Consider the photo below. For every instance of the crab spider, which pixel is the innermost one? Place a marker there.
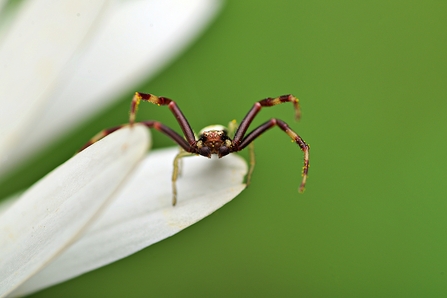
(215, 139)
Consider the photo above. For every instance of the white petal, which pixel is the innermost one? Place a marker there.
(56, 209)
(35, 50)
(142, 214)
(134, 40)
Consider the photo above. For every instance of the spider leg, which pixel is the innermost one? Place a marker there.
(294, 136)
(99, 136)
(267, 102)
(251, 149)
(232, 127)
(180, 165)
(150, 124)
(163, 101)
(169, 132)
(187, 145)
(175, 173)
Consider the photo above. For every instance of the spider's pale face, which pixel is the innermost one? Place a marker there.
(214, 140)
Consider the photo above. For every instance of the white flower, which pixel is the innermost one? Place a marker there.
(59, 60)
(62, 61)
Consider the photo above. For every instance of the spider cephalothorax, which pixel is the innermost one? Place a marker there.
(215, 139)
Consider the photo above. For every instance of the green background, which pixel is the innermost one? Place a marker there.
(371, 78)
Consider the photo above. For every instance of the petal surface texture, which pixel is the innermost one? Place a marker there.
(142, 213)
(54, 211)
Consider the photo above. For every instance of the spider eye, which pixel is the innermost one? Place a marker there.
(205, 151)
(223, 150)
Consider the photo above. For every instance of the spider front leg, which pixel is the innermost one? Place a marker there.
(294, 136)
(267, 102)
(163, 101)
(187, 145)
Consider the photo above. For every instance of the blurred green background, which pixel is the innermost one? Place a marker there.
(371, 77)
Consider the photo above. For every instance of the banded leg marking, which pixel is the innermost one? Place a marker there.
(163, 101)
(138, 97)
(267, 102)
(294, 136)
(99, 136)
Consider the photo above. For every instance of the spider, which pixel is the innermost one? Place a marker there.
(215, 139)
